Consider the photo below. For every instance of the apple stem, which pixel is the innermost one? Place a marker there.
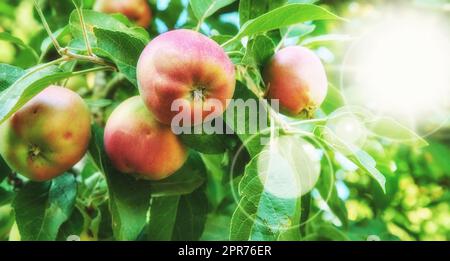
(199, 25)
(46, 26)
(198, 94)
(34, 151)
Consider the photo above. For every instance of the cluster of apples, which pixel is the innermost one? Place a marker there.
(51, 132)
(180, 65)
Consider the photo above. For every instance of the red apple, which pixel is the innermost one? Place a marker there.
(187, 67)
(138, 144)
(136, 10)
(48, 135)
(296, 77)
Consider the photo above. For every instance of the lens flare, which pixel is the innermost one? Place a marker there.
(289, 167)
(400, 68)
(345, 130)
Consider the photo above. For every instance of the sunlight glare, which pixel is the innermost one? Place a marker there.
(400, 68)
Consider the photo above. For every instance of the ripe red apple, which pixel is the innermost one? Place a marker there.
(296, 77)
(48, 135)
(136, 10)
(186, 66)
(137, 143)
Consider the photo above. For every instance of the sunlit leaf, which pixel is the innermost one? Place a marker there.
(282, 17)
(178, 217)
(389, 128)
(12, 39)
(42, 207)
(27, 86)
(205, 8)
(122, 49)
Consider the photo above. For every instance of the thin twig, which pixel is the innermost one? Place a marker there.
(93, 59)
(83, 28)
(65, 53)
(95, 69)
(46, 26)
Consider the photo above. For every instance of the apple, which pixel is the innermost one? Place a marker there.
(48, 135)
(186, 68)
(136, 10)
(138, 144)
(296, 77)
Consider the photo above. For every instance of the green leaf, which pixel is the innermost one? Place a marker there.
(217, 228)
(282, 17)
(129, 198)
(269, 207)
(105, 231)
(163, 217)
(96, 20)
(259, 50)
(123, 49)
(324, 39)
(7, 10)
(359, 157)
(305, 214)
(178, 217)
(72, 227)
(187, 179)
(325, 232)
(221, 27)
(361, 231)
(191, 216)
(333, 100)
(327, 189)
(252, 141)
(8, 75)
(272, 188)
(4, 169)
(58, 35)
(27, 86)
(204, 8)
(250, 9)
(437, 159)
(368, 164)
(171, 14)
(12, 39)
(6, 221)
(216, 171)
(41, 208)
(98, 103)
(297, 31)
(391, 129)
(206, 143)
(5, 196)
